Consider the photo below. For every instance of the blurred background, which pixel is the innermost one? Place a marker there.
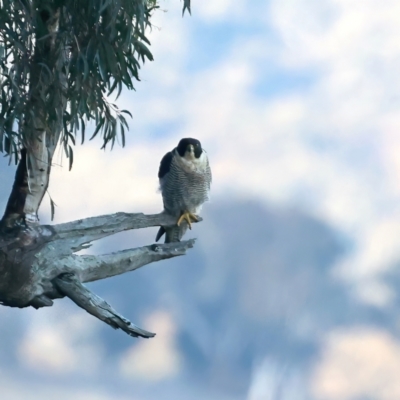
(292, 290)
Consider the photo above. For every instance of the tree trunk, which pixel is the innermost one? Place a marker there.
(42, 123)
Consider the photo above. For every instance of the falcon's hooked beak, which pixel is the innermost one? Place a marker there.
(190, 152)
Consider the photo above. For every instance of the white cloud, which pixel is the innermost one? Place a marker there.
(12, 389)
(337, 32)
(60, 341)
(104, 182)
(272, 380)
(358, 363)
(268, 149)
(155, 359)
(216, 11)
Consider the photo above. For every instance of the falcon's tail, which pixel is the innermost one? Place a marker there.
(172, 233)
(160, 232)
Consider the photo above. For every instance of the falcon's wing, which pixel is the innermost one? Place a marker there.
(165, 165)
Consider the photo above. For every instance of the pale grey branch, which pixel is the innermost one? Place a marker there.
(92, 268)
(76, 235)
(112, 223)
(70, 286)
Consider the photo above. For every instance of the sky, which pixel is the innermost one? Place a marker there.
(297, 104)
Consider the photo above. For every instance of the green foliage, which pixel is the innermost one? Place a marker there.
(60, 61)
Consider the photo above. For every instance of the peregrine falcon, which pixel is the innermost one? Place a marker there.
(185, 179)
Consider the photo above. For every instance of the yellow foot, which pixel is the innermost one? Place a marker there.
(189, 218)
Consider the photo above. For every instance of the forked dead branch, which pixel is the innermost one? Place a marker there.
(38, 263)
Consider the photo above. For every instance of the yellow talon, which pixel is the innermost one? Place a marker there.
(187, 216)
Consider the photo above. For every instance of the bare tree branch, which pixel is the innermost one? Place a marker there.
(76, 235)
(92, 268)
(113, 223)
(70, 286)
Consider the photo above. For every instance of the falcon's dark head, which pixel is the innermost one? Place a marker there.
(189, 148)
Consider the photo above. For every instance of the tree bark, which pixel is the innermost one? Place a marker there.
(41, 125)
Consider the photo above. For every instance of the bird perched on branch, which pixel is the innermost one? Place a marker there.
(185, 179)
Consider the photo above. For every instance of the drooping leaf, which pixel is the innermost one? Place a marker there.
(52, 207)
(70, 157)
